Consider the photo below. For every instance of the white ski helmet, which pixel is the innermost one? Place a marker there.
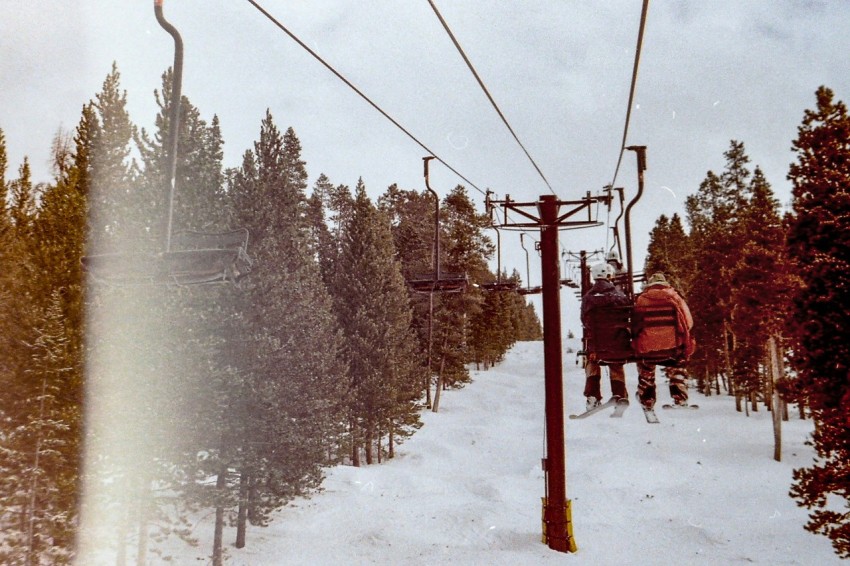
(601, 271)
(613, 256)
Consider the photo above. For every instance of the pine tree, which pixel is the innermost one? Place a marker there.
(669, 252)
(109, 132)
(4, 163)
(411, 219)
(372, 307)
(321, 239)
(199, 185)
(761, 282)
(529, 327)
(16, 318)
(490, 328)
(23, 203)
(819, 241)
(280, 423)
(716, 234)
(37, 489)
(56, 249)
(38, 482)
(195, 319)
(41, 367)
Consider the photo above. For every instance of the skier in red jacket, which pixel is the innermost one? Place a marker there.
(660, 340)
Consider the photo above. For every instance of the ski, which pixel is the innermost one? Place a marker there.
(609, 403)
(650, 415)
(620, 408)
(668, 406)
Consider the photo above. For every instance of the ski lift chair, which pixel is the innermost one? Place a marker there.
(444, 283)
(536, 290)
(500, 286)
(189, 258)
(196, 258)
(438, 281)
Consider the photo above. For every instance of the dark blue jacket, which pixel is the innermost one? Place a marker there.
(602, 294)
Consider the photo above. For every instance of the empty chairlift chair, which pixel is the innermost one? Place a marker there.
(437, 282)
(189, 258)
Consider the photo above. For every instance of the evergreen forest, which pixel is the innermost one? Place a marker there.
(230, 399)
(129, 408)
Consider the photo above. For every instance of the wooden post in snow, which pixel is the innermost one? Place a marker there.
(776, 402)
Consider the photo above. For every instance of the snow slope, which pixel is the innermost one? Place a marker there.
(700, 488)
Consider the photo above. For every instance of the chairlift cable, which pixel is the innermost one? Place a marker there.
(487, 92)
(348, 83)
(638, 48)
(359, 92)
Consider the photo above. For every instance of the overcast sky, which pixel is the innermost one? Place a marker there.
(559, 70)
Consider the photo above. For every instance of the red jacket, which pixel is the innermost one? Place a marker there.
(658, 338)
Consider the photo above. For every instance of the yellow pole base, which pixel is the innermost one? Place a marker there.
(571, 542)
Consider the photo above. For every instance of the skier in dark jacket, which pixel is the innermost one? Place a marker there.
(603, 293)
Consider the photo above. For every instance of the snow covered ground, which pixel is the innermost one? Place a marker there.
(700, 488)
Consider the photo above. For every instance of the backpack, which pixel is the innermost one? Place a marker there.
(606, 316)
(661, 325)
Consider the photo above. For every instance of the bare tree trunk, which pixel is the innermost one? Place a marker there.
(252, 500)
(391, 441)
(368, 441)
(31, 546)
(440, 377)
(355, 448)
(767, 382)
(242, 514)
(727, 362)
(775, 369)
(218, 533)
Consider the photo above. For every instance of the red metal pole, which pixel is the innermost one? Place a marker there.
(555, 513)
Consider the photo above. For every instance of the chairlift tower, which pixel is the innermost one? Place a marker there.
(550, 215)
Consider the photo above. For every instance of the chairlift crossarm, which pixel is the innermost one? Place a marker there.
(578, 206)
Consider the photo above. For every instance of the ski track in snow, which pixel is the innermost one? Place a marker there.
(700, 488)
